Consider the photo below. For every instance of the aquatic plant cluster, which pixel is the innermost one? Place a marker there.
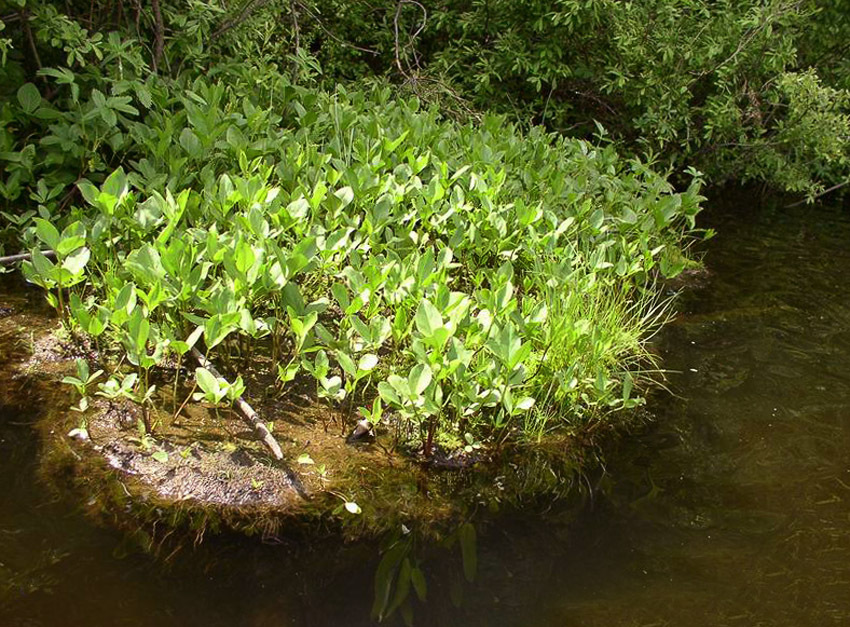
(475, 281)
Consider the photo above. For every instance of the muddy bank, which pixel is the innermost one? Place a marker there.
(204, 470)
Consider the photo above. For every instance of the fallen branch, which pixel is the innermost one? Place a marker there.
(8, 261)
(248, 413)
(823, 193)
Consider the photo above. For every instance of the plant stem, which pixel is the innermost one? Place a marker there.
(429, 442)
(176, 379)
(186, 400)
(61, 302)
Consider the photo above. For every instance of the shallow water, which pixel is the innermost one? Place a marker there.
(732, 508)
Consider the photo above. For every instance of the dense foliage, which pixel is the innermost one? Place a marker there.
(480, 282)
(717, 85)
(743, 90)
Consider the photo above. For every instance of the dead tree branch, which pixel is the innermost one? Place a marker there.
(249, 416)
(411, 38)
(8, 261)
(330, 34)
(823, 193)
(244, 14)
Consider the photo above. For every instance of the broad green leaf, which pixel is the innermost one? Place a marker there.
(417, 578)
(207, 382)
(340, 293)
(389, 393)
(235, 138)
(244, 257)
(28, 97)
(287, 374)
(298, 209)
(346, 363)
(191, 143)
(332, 388)
(76, 262)
(89, 192)
(345, 195)
(115, 184)
(419, 378)
(125, 302)
(628, 383)
(43, 266)
(384, 577)
(524, 404)
(217, 328)
(47, 233)
(139, 328)
(402, 589)
(71, 239)
(428, 319)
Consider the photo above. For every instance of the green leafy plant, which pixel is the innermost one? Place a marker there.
(216, 389)
(82, 382)
(470, 284)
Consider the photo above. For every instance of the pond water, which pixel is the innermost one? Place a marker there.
(732, 508)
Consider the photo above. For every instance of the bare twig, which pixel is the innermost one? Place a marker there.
(330, 34)
(248, 413)
(25, 21)
(413, 74)
(8, 261)
(823, 193)
(411, 38)
(244, 14)
(749, 37)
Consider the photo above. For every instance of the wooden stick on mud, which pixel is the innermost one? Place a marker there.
(7, 261)
(248, 413)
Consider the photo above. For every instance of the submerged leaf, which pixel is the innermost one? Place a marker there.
(469, 551)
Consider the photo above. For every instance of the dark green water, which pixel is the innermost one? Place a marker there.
(733, 508)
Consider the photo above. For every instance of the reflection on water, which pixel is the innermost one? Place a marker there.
(732, 509)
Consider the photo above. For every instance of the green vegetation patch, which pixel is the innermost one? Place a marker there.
(465, 283)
